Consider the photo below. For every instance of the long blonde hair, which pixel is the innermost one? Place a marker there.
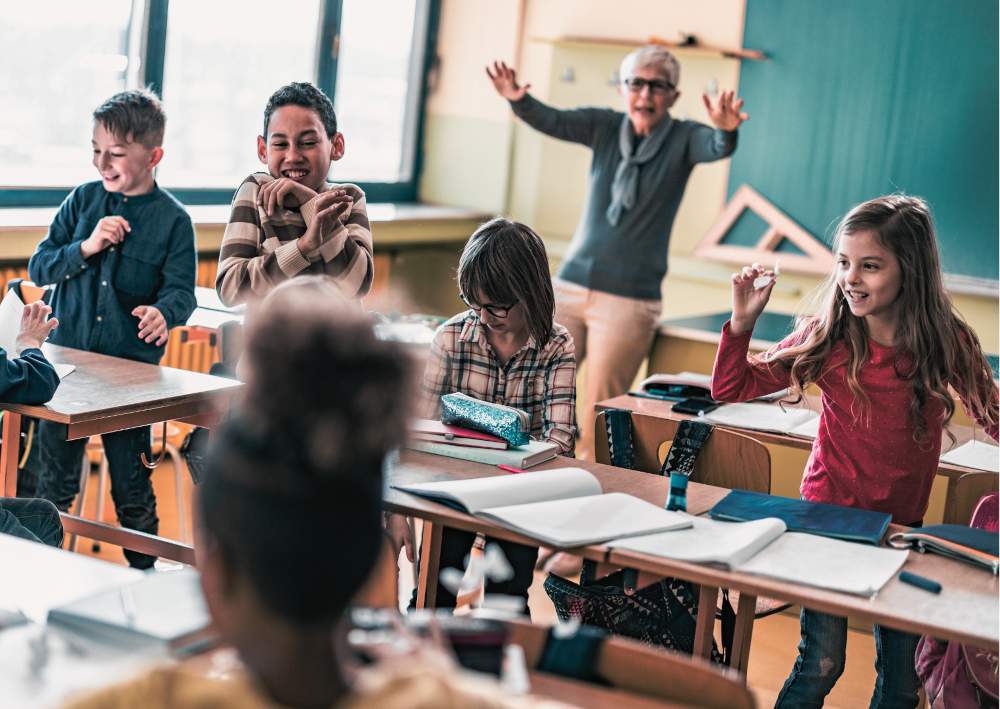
(936, 347)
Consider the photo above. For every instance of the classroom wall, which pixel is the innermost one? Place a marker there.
(477, 155)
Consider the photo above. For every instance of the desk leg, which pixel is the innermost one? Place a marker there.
(8, 457)
(742, 634)
(708, 597)
(430, 562)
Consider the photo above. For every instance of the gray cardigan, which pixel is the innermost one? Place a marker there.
(629, 259)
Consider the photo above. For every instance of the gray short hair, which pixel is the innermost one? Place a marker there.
(652, 55)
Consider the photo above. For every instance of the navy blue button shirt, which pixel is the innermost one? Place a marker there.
(156, 264)
(28, 379)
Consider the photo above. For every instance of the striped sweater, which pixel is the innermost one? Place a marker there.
(259, 251)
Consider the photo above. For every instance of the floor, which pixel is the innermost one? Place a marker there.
(775, 639)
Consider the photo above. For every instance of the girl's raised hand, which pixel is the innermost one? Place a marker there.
(749, 302)
(505, 82)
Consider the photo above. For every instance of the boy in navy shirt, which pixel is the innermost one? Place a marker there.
(121, 253)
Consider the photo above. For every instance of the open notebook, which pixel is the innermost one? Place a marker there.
(763, 547)
(559, 508)
(974, 454)
(766, 417)
(10, 325)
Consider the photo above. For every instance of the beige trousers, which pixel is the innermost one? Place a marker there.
(613, 334)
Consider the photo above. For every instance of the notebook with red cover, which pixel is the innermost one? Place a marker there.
(437, 432)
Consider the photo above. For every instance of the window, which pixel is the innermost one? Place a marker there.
(217, 62)
(59, 59)
(223, 60)
(378, 88)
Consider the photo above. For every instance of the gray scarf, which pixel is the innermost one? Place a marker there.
(625, 185)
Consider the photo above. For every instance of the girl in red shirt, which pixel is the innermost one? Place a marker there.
(884, 350)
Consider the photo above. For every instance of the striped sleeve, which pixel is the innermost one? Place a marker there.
(346, 251)
(245, 272)
(559, 407)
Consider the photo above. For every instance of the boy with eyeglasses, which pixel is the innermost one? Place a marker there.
(290, 221)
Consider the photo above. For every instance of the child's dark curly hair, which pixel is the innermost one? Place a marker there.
(306, 95)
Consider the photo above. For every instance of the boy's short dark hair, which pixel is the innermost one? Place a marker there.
(306, 95)
(292, 494)
(136, 113)
(505, 263)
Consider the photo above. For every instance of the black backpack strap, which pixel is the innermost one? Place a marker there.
(687, 444)
(618, 423)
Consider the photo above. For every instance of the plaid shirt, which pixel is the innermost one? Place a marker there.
(540, 382)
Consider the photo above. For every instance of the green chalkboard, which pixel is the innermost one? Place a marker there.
(863, 98)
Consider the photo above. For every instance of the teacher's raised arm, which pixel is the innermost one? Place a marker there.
(607, 287)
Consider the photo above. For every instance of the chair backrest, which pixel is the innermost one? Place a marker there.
(28, 292)
(728, 459)
(968, 490)
(638, 669)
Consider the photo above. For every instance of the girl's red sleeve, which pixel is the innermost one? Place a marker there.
(736, 377)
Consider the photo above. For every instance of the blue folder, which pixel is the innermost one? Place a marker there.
(801, 516)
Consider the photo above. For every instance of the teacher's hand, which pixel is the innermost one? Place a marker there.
(505, 82)
(726, 114)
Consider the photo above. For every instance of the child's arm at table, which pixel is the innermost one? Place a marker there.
(559, 411)
(437, 375)
(29, 379)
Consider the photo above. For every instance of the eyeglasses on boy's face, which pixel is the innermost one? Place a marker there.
(657, 88)
(497, 311)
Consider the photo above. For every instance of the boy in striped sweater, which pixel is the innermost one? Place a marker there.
(290, 220)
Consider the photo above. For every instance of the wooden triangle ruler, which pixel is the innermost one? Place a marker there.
(817, 258)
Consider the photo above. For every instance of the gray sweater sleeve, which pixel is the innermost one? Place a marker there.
(708, 144)
(580, 125)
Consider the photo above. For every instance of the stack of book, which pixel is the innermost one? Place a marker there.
(455, 442)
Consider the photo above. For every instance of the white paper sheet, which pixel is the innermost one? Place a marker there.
(10, 323)
(477, 494)
(63, 369)
(975, 454)
(827, 563)
(809, 429)
(708, 541)
(586, 520)
(759, 417)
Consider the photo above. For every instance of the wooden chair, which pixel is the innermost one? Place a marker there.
(728, 459)
(648, 672)
(967, 492)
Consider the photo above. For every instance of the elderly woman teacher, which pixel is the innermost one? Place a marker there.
(608, 286)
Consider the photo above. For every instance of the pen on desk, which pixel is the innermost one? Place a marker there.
(768, 398)
(920, 582)
(128, 605)
(510, 468)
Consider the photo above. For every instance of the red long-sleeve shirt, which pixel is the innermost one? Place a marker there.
(864, 458)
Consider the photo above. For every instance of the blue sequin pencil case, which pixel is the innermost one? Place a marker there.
(506, 422)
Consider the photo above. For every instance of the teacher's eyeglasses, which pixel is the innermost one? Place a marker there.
(657, 88)
(497, 311)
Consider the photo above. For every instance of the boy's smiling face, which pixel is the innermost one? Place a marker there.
(125, 166)
(298, 148)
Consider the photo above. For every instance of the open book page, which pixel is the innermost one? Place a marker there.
(63, 369)
(725, 544)
(759, 417)
(478, 494)
(975, 454)
(809, 429)
(10, 323)
(827, 563)
(580, 521)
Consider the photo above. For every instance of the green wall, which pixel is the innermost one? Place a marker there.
(862, 99)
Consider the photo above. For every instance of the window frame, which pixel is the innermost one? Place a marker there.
(153, 53)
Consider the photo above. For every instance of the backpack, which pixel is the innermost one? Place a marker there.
(957, 676)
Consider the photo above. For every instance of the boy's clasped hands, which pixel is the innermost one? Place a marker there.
(287, 193)
(108, 232)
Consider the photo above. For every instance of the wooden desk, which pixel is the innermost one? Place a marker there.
(105, 394)
(664, 409)
(967, 609)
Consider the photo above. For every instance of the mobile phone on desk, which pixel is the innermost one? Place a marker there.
(695, 405)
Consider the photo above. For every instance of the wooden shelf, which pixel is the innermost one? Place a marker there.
(688, 47)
